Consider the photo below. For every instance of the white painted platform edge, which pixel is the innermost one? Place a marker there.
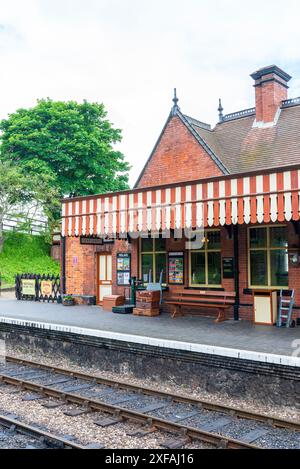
(164, 343)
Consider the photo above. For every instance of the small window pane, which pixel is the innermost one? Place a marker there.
(147, 244)
(214, 268)
(278, 237)
(160, 244)
(279, 268)
(213, 240)
(258, 263)
(258, 237)
(147, 267)
(198, 268)
(160, 266)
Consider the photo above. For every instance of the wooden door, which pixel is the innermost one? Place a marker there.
(104, 276)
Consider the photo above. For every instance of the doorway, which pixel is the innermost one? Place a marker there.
(104, 276)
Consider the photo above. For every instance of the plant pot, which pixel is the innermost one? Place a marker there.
(68, 302)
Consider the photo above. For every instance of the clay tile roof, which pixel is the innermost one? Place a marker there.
(242, 148)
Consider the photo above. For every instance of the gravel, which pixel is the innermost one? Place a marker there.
(284, 412)
(11, 440)
(81, 428)
(280, 440)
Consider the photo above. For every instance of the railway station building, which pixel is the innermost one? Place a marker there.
(213, 209)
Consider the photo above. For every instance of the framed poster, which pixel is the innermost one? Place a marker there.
(123, 269)
(176, 268)
(46, 287)
(28, 287)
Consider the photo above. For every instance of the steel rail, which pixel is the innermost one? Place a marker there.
(43, 436)
(233, 411)
(123, 414)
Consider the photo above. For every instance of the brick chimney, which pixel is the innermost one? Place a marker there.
(270, 89)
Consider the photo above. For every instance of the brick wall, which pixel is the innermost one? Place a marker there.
(268, 99)
(178, 157)
(81, 266)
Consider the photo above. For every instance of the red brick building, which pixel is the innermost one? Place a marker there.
(239, 181)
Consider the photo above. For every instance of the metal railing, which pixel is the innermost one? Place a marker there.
(290, 102)
(239, 114)
(45, 287)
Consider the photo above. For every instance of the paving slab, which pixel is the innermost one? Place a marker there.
(241, 339)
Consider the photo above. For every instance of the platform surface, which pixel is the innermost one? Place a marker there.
(240, 339)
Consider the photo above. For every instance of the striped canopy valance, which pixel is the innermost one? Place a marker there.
(233, 200)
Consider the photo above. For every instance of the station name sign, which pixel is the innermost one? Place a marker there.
(90, 240)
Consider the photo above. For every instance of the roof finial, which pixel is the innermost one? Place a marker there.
(175, 101)
(220, 109)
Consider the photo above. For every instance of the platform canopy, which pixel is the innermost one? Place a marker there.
(228, 200)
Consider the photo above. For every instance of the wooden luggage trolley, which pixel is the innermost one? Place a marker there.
(218, 300)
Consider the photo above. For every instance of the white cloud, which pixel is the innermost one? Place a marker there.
(130, 54)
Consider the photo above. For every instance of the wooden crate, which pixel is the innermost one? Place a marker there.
(144, 305)
(145, 312)
(112, 300)
(148, 296)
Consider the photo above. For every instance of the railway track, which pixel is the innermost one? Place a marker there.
(32, 437)
(186, 418)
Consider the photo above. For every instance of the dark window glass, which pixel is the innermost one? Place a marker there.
(279, 268)
(198, 268)
(147, 244)
(258, 238)
(278, 237)
(258, 263)
(213, 240)
(160, 244)
(160, 266)
(214, 268)
(147, 266)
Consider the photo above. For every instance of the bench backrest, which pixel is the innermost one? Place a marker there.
(207, 293)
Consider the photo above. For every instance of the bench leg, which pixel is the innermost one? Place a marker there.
(177, 312)
(221, 316)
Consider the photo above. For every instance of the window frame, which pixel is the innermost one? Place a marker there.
(268, 249)
(153, 253)
(206, 252)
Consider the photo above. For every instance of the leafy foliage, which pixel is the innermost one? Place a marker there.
(23, 192)
(69, 142)
(25, 253)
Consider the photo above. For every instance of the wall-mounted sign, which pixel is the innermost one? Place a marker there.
(46, 287)
(176, 268)
(91, 240)
(123, 268)
(228, 267)
(28, 287)
(75, 260)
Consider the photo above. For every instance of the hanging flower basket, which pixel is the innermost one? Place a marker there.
(68, 301)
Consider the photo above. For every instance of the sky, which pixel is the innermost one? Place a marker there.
(130, 54)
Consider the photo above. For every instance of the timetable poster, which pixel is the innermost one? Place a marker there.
(123, 269)
(176, 268)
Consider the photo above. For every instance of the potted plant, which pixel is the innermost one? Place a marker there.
(68, 300)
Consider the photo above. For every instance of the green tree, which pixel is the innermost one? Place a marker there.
(70, 142)
(21, 194)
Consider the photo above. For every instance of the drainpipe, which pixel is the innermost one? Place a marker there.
(63, 265)
(236, 272)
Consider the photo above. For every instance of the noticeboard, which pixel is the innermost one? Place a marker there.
(123, 269)
(28, 287)
(176, 268)
(228, 267)
(46, 287)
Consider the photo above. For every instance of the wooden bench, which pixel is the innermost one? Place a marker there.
(218, 300)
